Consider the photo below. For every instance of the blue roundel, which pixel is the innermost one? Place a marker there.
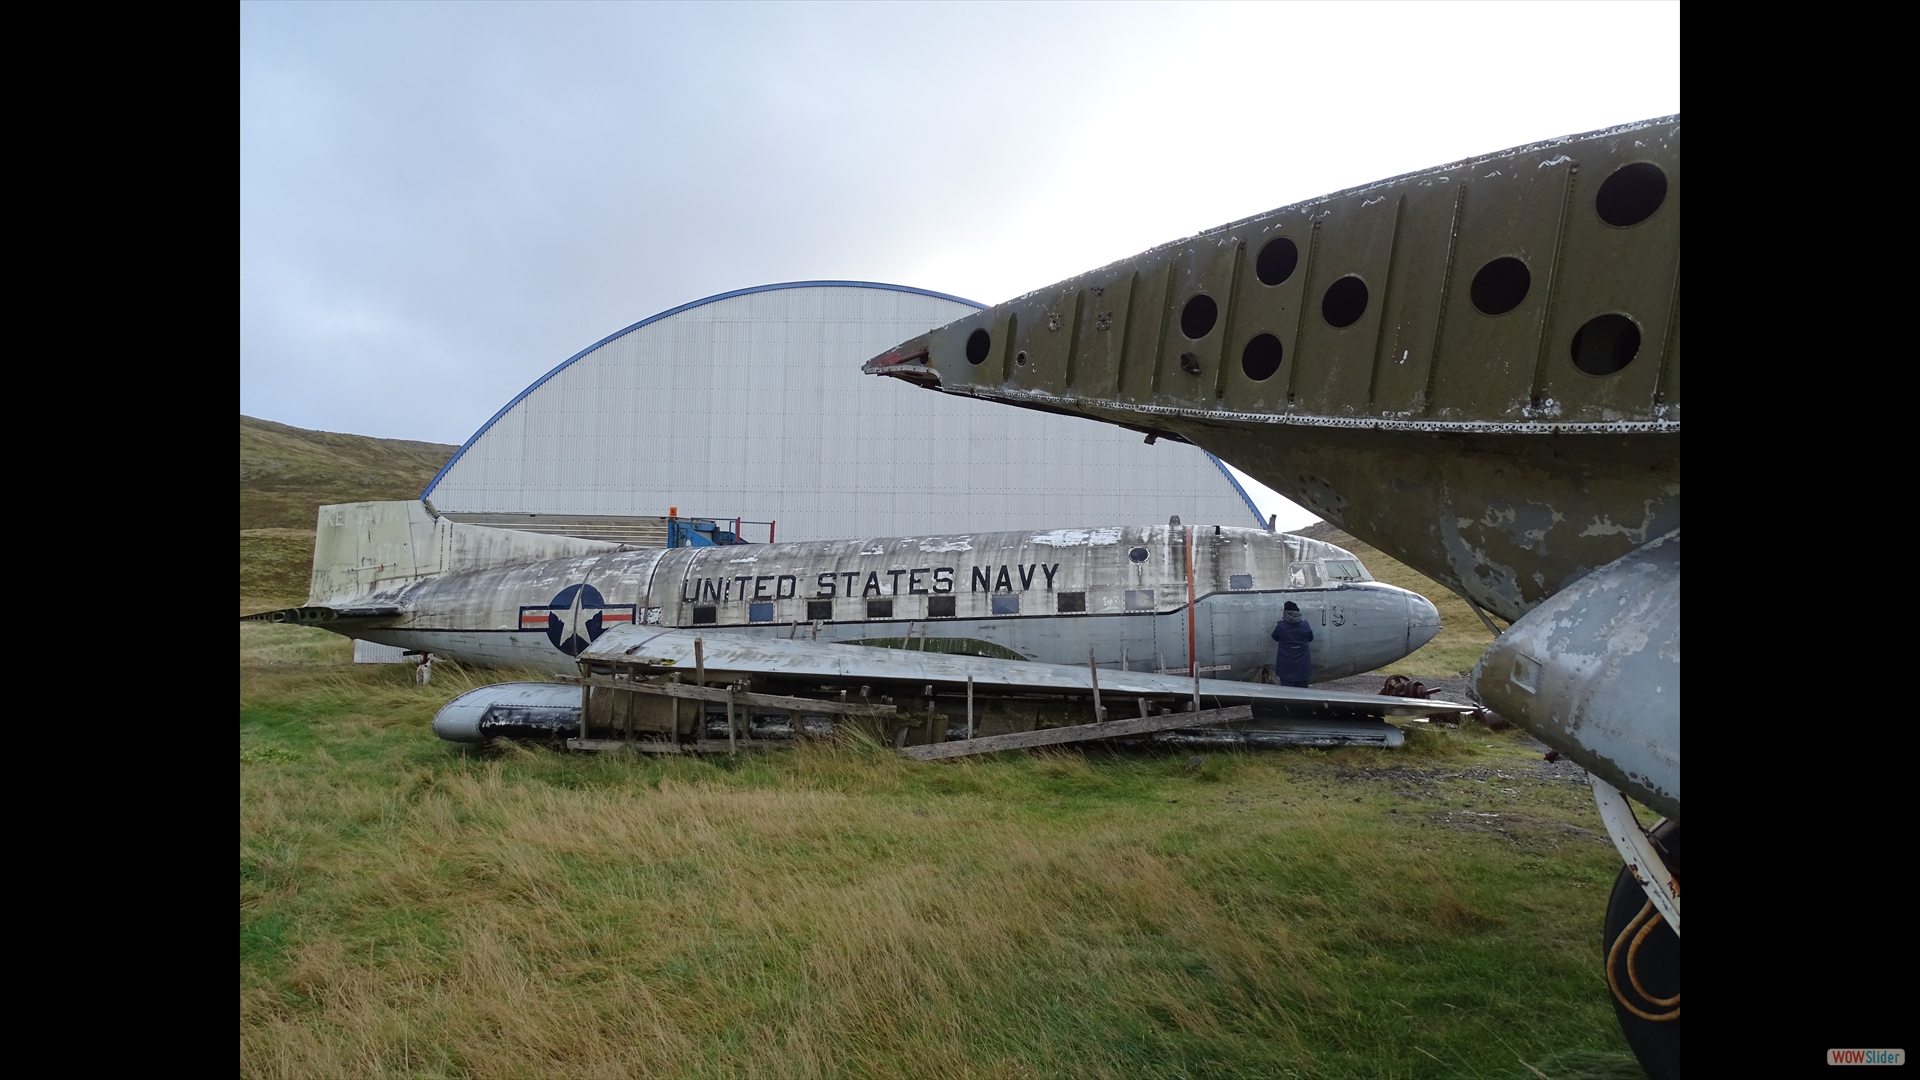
(577, 617)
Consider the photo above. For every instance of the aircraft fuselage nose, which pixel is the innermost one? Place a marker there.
(1423, 621)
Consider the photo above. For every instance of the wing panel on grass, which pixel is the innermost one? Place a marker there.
(822, 662)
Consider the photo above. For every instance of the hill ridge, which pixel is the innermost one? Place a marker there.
(288, 473)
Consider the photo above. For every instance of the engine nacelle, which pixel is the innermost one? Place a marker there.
(516, 710)
(1594, 672)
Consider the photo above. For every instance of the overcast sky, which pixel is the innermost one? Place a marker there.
(438, 203)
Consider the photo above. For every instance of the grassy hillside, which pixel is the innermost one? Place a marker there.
(288, 473)
(1463, 637)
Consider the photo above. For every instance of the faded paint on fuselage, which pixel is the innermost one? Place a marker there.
(1008, 591)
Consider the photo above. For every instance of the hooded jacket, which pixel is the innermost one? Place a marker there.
(1292, 664)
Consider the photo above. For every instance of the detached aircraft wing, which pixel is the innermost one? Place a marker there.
(818, 662)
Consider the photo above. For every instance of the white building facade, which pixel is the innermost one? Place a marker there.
(751, 404)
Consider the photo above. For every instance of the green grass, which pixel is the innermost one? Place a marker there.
(275, 567)
(412, 908)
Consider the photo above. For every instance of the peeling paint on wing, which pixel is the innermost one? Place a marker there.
(1473, 566)
(1651, 524)
(1078, 537)
(1526, 524)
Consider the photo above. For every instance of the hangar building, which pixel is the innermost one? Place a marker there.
(751, 405)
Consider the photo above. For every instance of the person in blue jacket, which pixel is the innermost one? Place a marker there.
(1291, 663)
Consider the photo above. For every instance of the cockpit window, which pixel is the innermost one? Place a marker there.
(1303, 575)
(1343, 570)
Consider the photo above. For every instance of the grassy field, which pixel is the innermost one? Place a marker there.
(410, 908)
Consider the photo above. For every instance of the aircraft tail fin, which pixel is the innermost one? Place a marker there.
(366, 550)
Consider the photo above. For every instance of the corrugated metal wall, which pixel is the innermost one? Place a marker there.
(753, 405)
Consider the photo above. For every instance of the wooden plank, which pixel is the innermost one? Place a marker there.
(715, 746)
(648, 746)
(1078, 733)
(719, 694)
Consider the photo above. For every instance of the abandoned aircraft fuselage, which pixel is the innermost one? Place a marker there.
(1045, 596)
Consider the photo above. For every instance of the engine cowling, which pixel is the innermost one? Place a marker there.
(1594, 672)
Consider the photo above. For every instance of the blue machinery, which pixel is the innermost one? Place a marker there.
(708, 532)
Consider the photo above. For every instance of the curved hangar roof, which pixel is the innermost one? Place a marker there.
(751, 404)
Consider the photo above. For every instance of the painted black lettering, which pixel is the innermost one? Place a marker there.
(709, 590)
(982, 578)
(689, 583)
(850, 576)
(1049, 572)
(873, 584)
(786, 588)
(826, 586)
(743, 579)
(1005, 582)
(895, 591)
(913, 582)
(943, 584)
(1026, 577)
(760, 586)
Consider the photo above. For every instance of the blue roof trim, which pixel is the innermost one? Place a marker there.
(669, 313)
(1258, 517)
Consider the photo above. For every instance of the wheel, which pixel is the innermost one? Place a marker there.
(1643, 965)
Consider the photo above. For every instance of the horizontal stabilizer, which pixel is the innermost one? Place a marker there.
(315, 616)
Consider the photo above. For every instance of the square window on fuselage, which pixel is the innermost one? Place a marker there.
(759, 612)
(940, 607)
(706, 616)
(1069, 602)
(879, 609)
(1006, 604)
(819, 611)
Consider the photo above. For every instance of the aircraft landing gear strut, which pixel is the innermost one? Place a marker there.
(1641, 941)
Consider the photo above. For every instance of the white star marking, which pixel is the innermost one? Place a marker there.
(574, 623)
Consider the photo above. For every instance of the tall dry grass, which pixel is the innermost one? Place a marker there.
(409, 908)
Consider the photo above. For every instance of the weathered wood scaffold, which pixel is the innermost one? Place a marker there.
(635, 701)
(627, 699)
